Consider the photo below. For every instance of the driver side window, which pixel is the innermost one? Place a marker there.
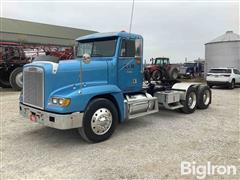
(127, 48)
(84, 48)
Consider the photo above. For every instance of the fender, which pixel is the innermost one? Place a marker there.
(113, 90)
(80, 97)
(183, 86)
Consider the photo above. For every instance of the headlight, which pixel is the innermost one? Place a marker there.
(54, 100)
(64, 102)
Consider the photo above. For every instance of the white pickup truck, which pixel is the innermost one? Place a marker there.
(223, 77)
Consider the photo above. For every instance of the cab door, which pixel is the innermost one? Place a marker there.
(130, 74)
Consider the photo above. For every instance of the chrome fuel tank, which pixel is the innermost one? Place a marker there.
(139, 105)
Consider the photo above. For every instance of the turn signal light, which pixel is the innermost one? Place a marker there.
(64, 102)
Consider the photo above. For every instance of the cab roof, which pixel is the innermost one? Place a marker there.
(109, 34)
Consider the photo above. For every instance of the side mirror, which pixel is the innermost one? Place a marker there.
(86, 58)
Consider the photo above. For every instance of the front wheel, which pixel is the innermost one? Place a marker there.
(157, 75)
(99, 121)
(147, 75)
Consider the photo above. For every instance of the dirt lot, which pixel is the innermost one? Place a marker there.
(148, 147)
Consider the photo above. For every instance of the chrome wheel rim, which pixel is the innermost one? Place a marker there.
(206, 97)
(192, 100)
(101, 121)
(19, 79)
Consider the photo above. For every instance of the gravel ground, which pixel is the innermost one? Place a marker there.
(150, 147)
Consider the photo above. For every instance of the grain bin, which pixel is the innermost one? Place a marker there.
(224, 51)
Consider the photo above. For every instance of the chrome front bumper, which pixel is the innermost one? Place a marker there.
(58, 121)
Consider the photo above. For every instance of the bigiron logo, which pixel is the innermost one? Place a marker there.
(201, 171)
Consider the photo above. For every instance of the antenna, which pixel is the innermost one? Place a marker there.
(130, 28)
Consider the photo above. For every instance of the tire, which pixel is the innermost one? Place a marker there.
(4, 83)
(91, 130)
(4, 80)
(191, 95)
(209, 85)
(204, 97)
(147, 76)
(16, 79)
(173, 74)
(156, 75)
(232, 84)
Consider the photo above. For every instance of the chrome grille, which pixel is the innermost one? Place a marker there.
(33, 87)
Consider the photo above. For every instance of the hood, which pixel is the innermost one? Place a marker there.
(152, 66)
(66, 73)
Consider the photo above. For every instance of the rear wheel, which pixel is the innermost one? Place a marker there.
(16, 79)
(99, 121)
(4, 79)
(232, 84)
(190, 103)
(204, 97)
(209, 85)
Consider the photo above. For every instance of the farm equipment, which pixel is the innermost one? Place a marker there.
(161, 69)
(191, 69)
(12, 59)
(101, 87)
(14, 56)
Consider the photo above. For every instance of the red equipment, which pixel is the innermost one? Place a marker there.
(14, 56)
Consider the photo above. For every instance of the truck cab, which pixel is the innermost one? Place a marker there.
(101, 87)
(120, 53)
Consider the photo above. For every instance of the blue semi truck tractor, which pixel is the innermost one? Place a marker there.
(102, 87)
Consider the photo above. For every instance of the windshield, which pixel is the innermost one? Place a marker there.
(189, 64)
(220, 71)
(161, 61)
(97, 47)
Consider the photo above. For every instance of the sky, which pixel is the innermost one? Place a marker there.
(174, 29)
